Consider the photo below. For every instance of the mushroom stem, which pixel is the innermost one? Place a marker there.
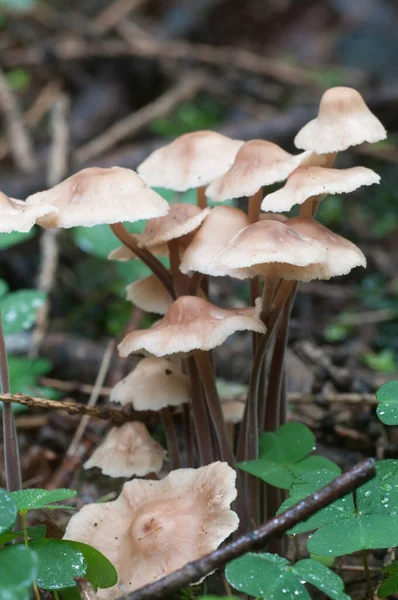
(188, 438)
(203, 362)
(254, 208)
(10, 440)
(151, 261)
(179, 282)
(171, 438)
(200, 416)
(201, 199)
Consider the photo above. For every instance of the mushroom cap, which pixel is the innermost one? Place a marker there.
(149, 295)
(222, 223)
(268, 241)
(97, 196)
(190, 161)
(17, 215)
(154, 384)
(305, 182)
(181, 220)
(233, 411)
(256, 164)
(126, 451)
(121, 253)
(156, 527)
(343, 120)
(191, 323)
(342, 255)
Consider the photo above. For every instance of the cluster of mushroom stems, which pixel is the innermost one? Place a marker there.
(180, 517)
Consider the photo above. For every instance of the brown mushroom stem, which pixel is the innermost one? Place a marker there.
(12, 466)
(200, 417)
(201, 199)
(254, 208)
(203, 362)
(180, 284)
(188, 438)
(171, 438)
(151, 261)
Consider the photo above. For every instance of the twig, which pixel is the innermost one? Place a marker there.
(259, 538)
(132, 124)
(115, 12)
(20, 143)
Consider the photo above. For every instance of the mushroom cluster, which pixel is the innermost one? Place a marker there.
(154, 527)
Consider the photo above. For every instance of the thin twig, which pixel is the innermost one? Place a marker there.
(113, 13)
(258, 539)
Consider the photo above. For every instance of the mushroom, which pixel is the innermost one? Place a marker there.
(306, 182)
(149, 295)
(16, 215)
(343, 120)
(126, 451)
(99, 196)
(154, 384)
(191, 161)
(156, 527)
(191, 323)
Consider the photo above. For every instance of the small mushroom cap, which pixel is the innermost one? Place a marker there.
(191, 323)
(233, 411)
(343, 120)
(181, 220)
(190, 161)
(121, 253)
(268, 241)
(16, 215)
(305, 182)
(222, 223)
(154, 384)
(149, 295)
(126, 451)
(256, 164)
(156, 527)
(97, 196)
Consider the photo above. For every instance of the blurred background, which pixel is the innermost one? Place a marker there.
(100, 82)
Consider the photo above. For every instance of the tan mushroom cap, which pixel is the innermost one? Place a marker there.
(16, 215)
(265, 242)
(97, 196)
(154, 384)
(181, 220)
(156, 527)
(233, 411)
(191, 323)
(222, 223)
(305, 182)
(122, 254)
(149, 295)
(343, 120)
(126, 451)
(190, 161)
(256, 164)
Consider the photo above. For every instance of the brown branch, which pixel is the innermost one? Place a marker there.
(258, 539)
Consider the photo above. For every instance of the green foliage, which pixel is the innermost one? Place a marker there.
(387, 397)
(368, 523)
(100, 240)
(19, 309)
(383, 361)
(284, 455)
(272, 577)
(18, 79)
(201, 113)
(32, 499)
(7, 240)
(33, 533)
(8, 511)
(100, 572)
(58, 564)
(18, 571)
(390, 581)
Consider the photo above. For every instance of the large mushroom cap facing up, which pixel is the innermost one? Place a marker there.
(180, 223)
(149, 295)
(97, 196)
(343, 120)
(126, 451)
(265, 242)
(257, 163)
(191, 161)
(191, 323)
(305, 182)
(220, 226)
(156, 527)
(154, 384)
(16, 215)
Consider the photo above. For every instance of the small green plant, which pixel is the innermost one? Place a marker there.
(387, 397)
(40, 562)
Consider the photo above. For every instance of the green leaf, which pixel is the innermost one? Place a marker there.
(59, 563)
(100, 240)
(265, 576)
(3, 288)
(383, 361)
(18, 571)
(15, 237)
(315, 463)
(390, 581)
(35, 532)
(100, 571)
(387, 397)
(322, 578)
(24, 374)
(32, 499)
(8, 511)
(19, 310)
